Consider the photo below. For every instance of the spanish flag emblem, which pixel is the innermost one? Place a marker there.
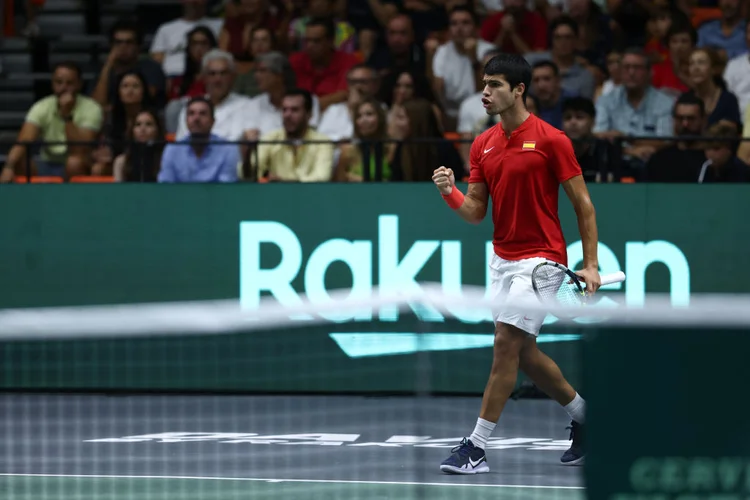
(529, 145)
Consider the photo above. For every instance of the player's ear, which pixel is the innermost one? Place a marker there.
(519, 90)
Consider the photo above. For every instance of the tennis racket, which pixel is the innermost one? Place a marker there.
(556, 284)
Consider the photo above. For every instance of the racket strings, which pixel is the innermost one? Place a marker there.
(555, 286)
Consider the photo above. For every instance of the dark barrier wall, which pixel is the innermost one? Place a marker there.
(85, 244)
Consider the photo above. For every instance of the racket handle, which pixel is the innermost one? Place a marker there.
(608, 279)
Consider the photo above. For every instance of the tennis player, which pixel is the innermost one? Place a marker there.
(520, 163)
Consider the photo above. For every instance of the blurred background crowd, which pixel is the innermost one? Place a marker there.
(365, 90)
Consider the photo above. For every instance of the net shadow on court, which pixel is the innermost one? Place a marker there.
(223, 447)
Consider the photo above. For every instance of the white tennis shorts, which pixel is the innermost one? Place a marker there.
(511, 282)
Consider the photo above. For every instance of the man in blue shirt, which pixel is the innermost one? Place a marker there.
(728, 32)
(196, 158)
(546, 87)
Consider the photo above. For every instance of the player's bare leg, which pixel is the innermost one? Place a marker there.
(548, 377)
(545, 373)
(509, 342)
(469, 456)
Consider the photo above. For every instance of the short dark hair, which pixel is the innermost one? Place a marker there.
(71, 65)
(546, 64)
(513, 67)
(362, 66)
(326, 23)
(679, 28)
(202, 99)
(690, 99)
(640, 52)
(563, 20)
(307, 96)
(464, 8)
(126, 25)
(580, 105)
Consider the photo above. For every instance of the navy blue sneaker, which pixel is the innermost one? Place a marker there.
(466, 459)
(575, 454)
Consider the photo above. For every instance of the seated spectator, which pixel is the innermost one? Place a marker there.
(168, 47)
(266, 110)
(337, 122)
(722, 164)
(370, 130)
(516, 30)
(194, 158)
(415, 161)
(66, 115)
(262, 42)
(320, 68)
(595, 39)
(574, 77)
(399, 87)
(125, 39)
(132, 98)
(614, 72)
(142, 157)
(659, 24)
(546, 87)
(681, 162)
(400, 52)
(736, 75)
(346, 36)
(300, 161)
(727, 33)
(232, 111)
(200, 41)
(369, 18)
(597, 157)
(672, 75)
(721, 105)
(456, 66)
(743, 152)
(635, 109)
(248, 15)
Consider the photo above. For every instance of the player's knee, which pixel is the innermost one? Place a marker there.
(509, 342)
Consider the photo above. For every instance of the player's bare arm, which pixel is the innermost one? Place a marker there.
(474, 206)
(578, 194)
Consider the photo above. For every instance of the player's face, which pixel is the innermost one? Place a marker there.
(144, 128)
(498, 96)
(577, 124)
(366, 120)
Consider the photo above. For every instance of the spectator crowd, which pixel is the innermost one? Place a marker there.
(387, 90)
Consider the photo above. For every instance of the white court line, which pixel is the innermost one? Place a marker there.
(267, 480)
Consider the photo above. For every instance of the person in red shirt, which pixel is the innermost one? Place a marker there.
(520, 164)
(320, 68)
(516, 30)
(671, 74)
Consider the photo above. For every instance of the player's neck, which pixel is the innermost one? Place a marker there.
(513, 118)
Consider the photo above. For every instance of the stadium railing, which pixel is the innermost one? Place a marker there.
(625, 175)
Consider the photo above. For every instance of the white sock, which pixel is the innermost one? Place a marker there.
(577, 409)
(482, 432)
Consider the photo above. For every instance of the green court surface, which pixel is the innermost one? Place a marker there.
(17, 487)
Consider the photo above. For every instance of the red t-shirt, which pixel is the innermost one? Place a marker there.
(532, 28)
(523, 175)
(663, 76)
(324, 81)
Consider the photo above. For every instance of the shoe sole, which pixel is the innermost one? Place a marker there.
(481, 469)
(577, 461)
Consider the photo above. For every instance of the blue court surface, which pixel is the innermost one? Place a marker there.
(149, 447)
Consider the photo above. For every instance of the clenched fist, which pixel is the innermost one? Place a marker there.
(444, 180)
